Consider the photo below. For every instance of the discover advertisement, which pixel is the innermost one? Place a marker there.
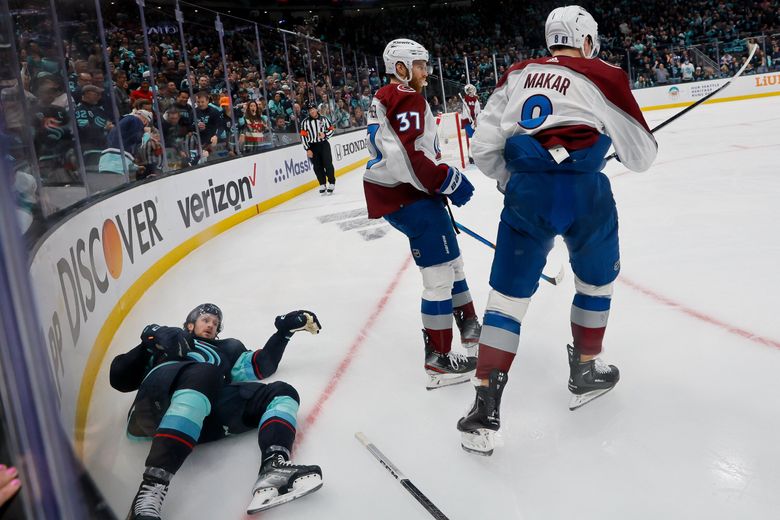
(89, 271)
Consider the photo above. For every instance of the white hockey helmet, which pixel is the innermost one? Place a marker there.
(471, 90)
(406, 51)
(570, 26)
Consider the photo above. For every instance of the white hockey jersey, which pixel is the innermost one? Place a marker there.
(562, 101)
(403, 147)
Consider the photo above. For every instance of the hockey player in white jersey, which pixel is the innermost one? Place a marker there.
(543, 137)
(404, 184)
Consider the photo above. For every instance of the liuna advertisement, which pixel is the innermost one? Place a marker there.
(89, 271)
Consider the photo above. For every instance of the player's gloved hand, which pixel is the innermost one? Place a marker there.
(457, 187)
(298, 320)
(168, 342)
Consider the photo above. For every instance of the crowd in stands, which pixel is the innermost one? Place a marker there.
(647, 39)
(145, 120)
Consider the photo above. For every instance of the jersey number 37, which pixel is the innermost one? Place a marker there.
(405, 123)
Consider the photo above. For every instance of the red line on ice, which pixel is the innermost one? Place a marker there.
(700, 315)
(350, 355)
(347, 361)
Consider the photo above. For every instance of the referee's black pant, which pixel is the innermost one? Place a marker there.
(322, 160)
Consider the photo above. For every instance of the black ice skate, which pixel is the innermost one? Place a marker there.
(280, 481)
(148, 501)
(590, 379)
(470, 329)
(446, 369)
(322, 189)
(331, 187)
(480, 424)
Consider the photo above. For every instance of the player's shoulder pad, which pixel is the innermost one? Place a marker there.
(610, 65)
(398, 94)
(405, 89)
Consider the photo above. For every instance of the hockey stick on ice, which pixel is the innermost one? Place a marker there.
(460, 227)
(401, 478)
(556, 280)
(753, 47)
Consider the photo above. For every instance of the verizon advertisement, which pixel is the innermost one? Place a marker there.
(84, 268)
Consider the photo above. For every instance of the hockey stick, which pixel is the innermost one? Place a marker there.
(753, 47)
(401, 478)
(460, 227)
(556, 280)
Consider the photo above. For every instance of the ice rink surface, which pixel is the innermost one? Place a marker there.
(689, 432)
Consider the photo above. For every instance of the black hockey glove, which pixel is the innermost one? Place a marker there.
(298, 320)
(169, 343)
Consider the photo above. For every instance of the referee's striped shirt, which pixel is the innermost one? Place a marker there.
(311, 128)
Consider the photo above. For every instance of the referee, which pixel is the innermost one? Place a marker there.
(315, 131)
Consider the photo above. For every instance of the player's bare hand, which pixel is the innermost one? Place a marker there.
(9, 483)
(309, 154)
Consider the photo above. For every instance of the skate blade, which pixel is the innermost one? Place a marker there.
(578, 401)
(479, 442)
(268, 498)
(471, 348)
(441, 380)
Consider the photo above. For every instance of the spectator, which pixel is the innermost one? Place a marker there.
(142, 93)
(143, 104)
(121, 93)
(82, 80)
(204, 83)
(165, 95)
(687, 71)
(25, 189)
(172, 132)
(9, 483)
(112, 166)
(183, 107)
(296, 115)
(282, 126)
(54, 142)
(436, 106)
(208, 119)
(231, 115)
(275, 106)
(254, 136)
(150, 155)
(661, 74)
(93, 124)
(341, 115)
(359, 118)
